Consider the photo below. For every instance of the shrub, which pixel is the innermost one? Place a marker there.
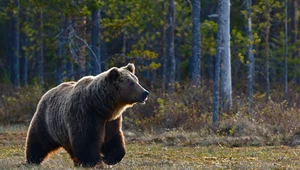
(190, 109)
(17, 105)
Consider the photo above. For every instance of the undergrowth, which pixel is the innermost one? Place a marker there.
(17, 105)
(188, 109)
(273, 122)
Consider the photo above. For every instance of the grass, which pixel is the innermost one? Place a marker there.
(169, 150)
(175, 132)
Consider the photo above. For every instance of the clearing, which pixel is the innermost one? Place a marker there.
(146, 152)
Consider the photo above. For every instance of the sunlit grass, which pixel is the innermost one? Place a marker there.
(147, 152)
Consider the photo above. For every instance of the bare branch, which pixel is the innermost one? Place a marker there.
(213, 16)
(59, 34)
(73, 46)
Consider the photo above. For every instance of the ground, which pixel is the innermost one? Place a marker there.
(151, 152)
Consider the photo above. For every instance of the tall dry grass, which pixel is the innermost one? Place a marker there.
(188, 109)
(274, 121)
(17, 105)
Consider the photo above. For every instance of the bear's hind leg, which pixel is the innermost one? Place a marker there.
(38, 146)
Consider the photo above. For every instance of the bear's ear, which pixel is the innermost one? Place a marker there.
(113, 74)
(130, 67)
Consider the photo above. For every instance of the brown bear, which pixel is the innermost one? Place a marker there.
(85, 118)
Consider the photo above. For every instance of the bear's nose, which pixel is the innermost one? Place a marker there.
(145, 94)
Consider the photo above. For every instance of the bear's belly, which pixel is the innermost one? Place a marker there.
(57, 128)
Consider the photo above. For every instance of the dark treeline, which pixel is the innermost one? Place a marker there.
(48, 42)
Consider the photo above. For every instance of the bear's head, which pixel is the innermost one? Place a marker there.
(130, 91)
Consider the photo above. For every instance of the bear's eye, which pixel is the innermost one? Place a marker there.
(131, 83)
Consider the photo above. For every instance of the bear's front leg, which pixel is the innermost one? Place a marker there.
(87, 146)
(86, 154)
(113, 148)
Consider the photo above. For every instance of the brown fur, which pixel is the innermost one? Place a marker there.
(84, 118)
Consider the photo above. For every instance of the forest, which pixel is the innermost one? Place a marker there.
(220, 72)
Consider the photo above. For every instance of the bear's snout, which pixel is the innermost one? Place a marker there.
(145, 96)
(142, 97)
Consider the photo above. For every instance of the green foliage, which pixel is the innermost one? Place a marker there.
(93, 5)
(239, 44)
(139, 24)
(147, 54)
(5, 77)
(265, 12)
(209, 31)
(161, 105)
(153, 66)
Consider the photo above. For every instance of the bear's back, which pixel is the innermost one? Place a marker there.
(55, 104)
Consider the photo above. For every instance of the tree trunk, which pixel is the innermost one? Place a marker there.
(226, 57)
(24, 61)
(220, 39)
(60, 56)
(24, 70)
(82, 52)
(70, 65)
(267, 32)
(294, 35)
(163, 54)
(7, 49)
(170, 46)
(286, 49)
(104, 54)
(146, 72)
(211, 67)
(196, 42)
(250, 57)
(15, 63)
(70, 70)
(164, 60)
(2, 69)
(124, 42)
(40, 52)
(95, 35)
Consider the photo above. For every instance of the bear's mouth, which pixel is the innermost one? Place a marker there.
(143, 101)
